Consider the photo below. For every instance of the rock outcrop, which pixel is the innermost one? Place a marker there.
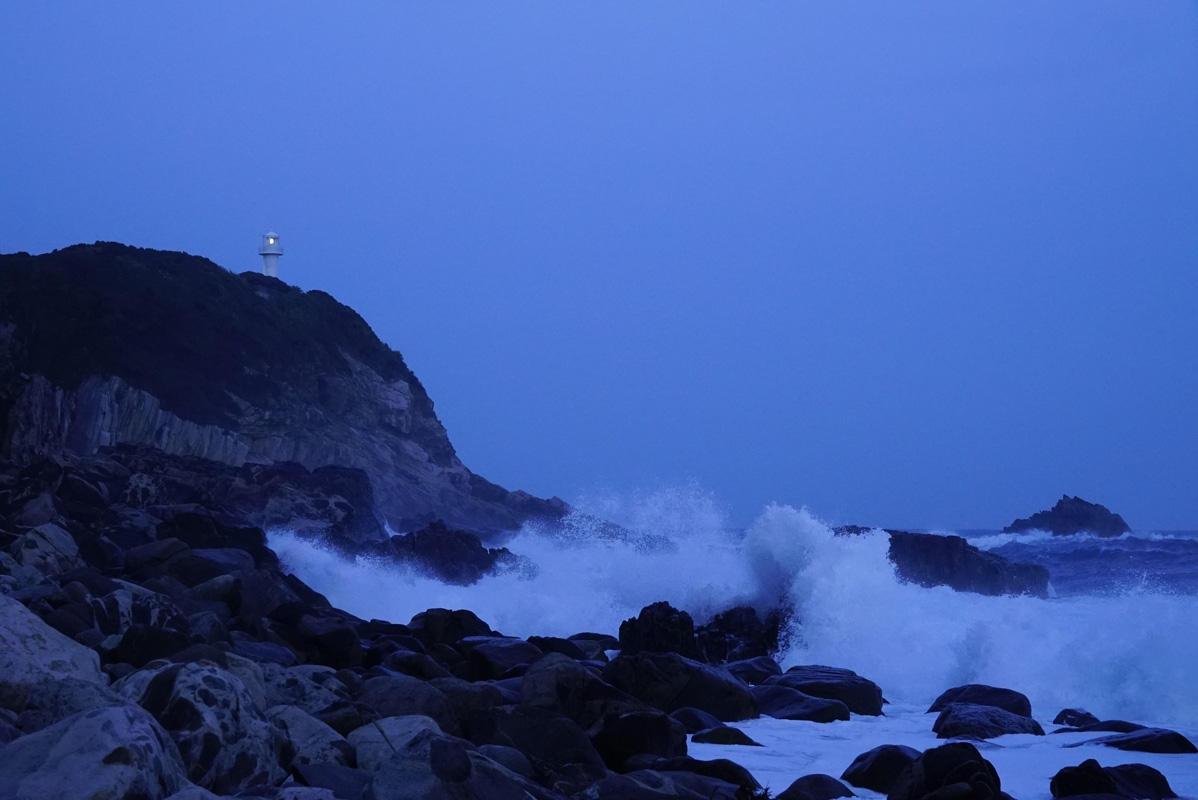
(105, 344)
(1073, 515)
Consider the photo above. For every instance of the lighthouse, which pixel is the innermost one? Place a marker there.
(270, 252)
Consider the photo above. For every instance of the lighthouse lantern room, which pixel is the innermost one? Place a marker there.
(270, 251)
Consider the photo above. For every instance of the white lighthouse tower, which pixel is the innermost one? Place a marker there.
(270, 252)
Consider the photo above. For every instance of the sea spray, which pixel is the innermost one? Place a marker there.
(1131, 655)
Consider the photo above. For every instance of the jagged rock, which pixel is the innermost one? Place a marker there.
(668, 681)
(981, 695)
(401, 695)
(878, 769)
(1146, 740)
(1135, 781)
(225, 740)
(659, 628)
(738, 634)
(308, 740)
(815, 787)
(32, 653)
(620, 736)
(450, 555)
(1073, 515)
(862, 696)
(694, 720)
(1074, 718)
(782, 702)
(754, 671)
(107, 752)
(981, 722)
(932, 560)
(724, 734)
(54, 701)
(958, 765)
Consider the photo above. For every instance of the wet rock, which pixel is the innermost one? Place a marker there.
(782, 702)
(652, 785)
(754, 671)
(659, 628)
(1073, 515)
(862, 696)
(553, 644)
(878, 769)
(442, 626)
(471, 704)
(402, 695)
(1074, 718)
(308, 740)
(694, 720)
(559, 751)
(720, 769)
(668, 681)
(932, 560)
(492, 657)
(620, 736)
(981, 722)
(32, 653)
(108, 752)
(558, 683)
(815, 787)
(724, 734)
(1136, 781)
(1146, 740)
(225, 740)
(739, 634)
(981, 695)
(1113, 725)
(957, 768)
(595, 645)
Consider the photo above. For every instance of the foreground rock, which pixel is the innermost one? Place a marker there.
(979, 694)
(860, 695)
(965, 720)
(957, 770)
(815, 787)
(32, 653)
(1073, 515)
(879, 769)
(1136, 781)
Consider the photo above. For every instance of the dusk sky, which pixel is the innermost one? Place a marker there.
(920, 265)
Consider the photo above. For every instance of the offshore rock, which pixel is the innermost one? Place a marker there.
(1073, 515)
(193, 360)
(931, 560)
(981, 722)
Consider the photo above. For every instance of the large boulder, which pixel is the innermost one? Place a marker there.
(862, 696)
(878, 769)
(1134, 781)
(52, 702)
(402, 695)
(226, 741)
(1074, 718)
(958, 768)
(376, 742)
(32, 653)
(754, 671)
(1146, 740)
(47, 548)
(492, 657)
(979, 694)
(738, 634)
(113, 752)
(932, 560)
(620, 736)
(981, 722)
(815, 787)
(659, 628)
(307, 740)
(558, 683)
(782, 702)
(560, 752)
(443, 626)
(668, 681)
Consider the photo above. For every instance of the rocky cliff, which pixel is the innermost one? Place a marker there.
(105, 344)
(1073, 515)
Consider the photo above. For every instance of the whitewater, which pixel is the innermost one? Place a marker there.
(1120, 646)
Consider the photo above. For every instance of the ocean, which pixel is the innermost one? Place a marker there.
(1119, 636)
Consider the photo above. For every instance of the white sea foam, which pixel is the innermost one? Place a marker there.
(1132, 656)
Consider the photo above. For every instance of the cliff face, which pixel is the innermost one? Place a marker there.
(105, 344)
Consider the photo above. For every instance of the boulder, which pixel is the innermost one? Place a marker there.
(376, 742)
(659, 628)
(1074, 718)
(981, 695)
(620, 736)
(344, 783)
(560, 752)
(720, 769)
(442, 626)
(402, 695)
(878, 769)
(1113, 725)
(1135, 781)
(226, 741)
(724, 734)
(932, 560)
(652, 785)
(815, 787)
(308, 740)
(862, 696)
(782, 702)
(509, 758)
(417, 665)
(1146, 740)
(694, 720)
(958, 765)
(492, 657)
(981, 722)
(32, 653)
(48, 549)
(118, 751)
(553, 644)
(471, 704)
(668, 681)
(739, 634)
(49, 703)
(754, 671)
(558, 683)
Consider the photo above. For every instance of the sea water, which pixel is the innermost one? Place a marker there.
(1119, 638)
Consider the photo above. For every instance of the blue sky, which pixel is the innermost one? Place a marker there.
(924, 265)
